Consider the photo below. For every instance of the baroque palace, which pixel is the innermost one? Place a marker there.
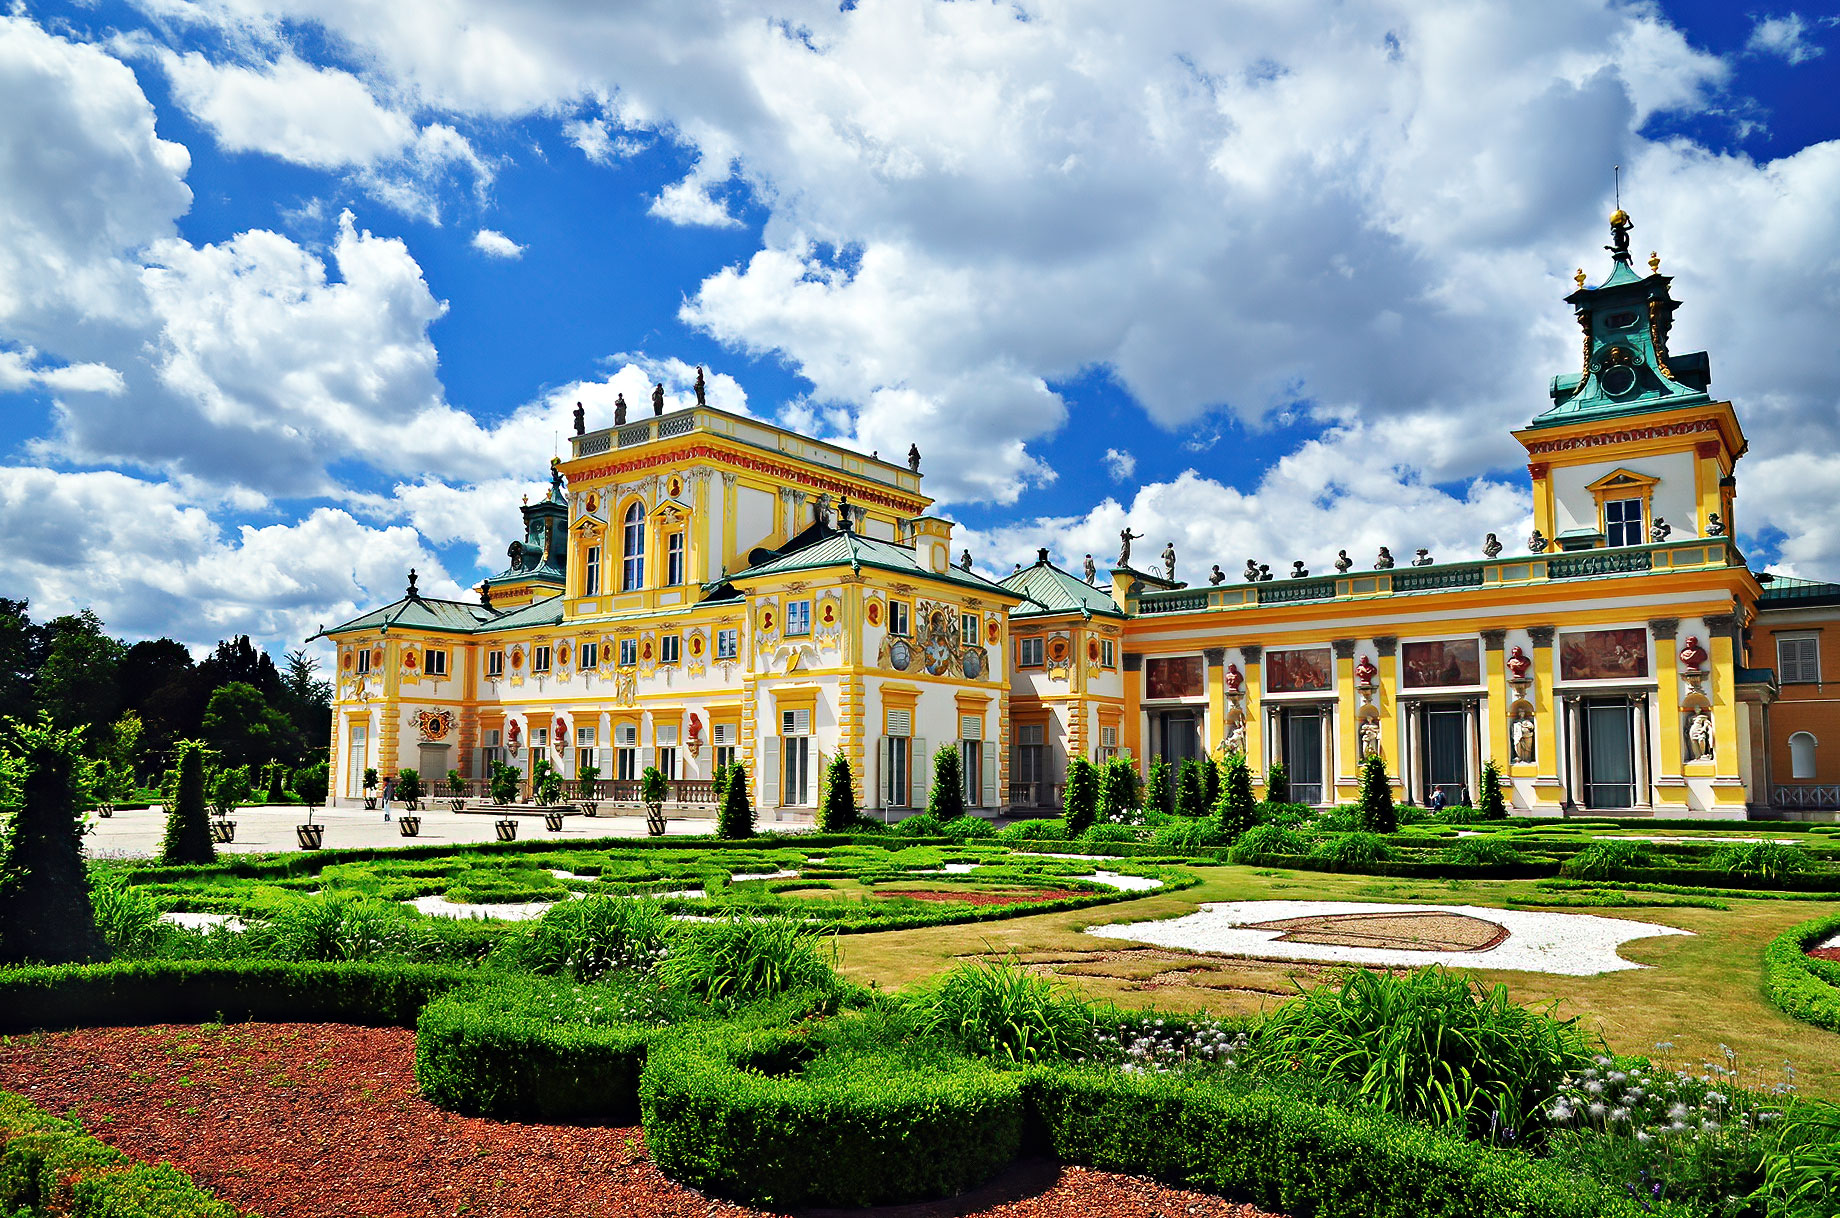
(698, 587)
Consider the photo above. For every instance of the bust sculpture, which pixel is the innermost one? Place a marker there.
(1299, 571)
(1217, 576)
(1538, 543)
(1365, 672)
(1423, 559)
(1342, 561)
(1659, 530)
(1235, 679)
(1491, 546)
(1692, 655)
(1518, 663)
(1714, 526)
(1384, 560)
(1252, 570)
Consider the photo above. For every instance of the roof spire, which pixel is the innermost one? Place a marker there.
(412, 594)
(1620, 224)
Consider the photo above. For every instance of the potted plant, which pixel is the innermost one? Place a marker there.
(409, 790)
(504, 783)
(552, 819)
(309, 783)
(545, 782)
(229, 791)
(507, 829)
(587, 780)
(456, 790)
(370, 789)
(652, 791)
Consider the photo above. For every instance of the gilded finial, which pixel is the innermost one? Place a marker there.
(527, 499)
(1654, 262)
(1579, 277)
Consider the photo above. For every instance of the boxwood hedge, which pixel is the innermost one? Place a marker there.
(1797, 983)
(49, 1166)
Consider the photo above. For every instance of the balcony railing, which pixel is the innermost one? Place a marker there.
(687, 792)
(1035, 794)
(1822, 796)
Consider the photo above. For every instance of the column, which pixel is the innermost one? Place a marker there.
(1722, 688)
(1573, 771)
(1415, 750)
(1643, 771)
(1340, 762)
(1548, 788)
(1670, 787)
(1495, 681)
(1472, 735)
(1249, 656)
(1386, 648)
(1216, 736)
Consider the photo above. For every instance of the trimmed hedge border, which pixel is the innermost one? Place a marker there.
(1405, 869)
(49, 1166)
(1796, 983)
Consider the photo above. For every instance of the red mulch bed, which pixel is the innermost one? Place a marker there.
(325, 1120)
(1825, 953)
(1029, 896)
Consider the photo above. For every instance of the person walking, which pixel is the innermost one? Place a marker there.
(389, 793)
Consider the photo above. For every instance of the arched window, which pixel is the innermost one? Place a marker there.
(632, 570)
(1801, 755)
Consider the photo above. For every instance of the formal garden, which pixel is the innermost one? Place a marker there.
(1365, 1010)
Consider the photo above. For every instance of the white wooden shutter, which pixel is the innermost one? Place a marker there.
(881, 773)
(991, 798)
(724, 733)
(971, 727)
(919, 773)
(900, 723)
(769, 773)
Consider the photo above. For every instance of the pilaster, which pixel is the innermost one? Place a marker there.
(1216, 658)
(1495, 677)
(1249, 656)
(1346, 778)
(1131, 730)
(1669, 782)
(1548, 792)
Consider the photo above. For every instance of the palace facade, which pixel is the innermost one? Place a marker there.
(697, 587)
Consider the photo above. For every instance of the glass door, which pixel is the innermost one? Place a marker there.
(1180, 736)
(1446, 755)
(357, 756)
(1609, 755)
(1303, 754)
(795, 778)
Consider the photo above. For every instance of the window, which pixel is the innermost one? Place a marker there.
(674, 559)
(626, 751)
(968, 629)
(434, 663)
(1108, 743)
(667, 762)
(798, 617)
(795, 777)
(539, 737)
(1028, 653)
(364, 660)
(1108, 654)
(1623, 521)
(539, 658)
(1030, 762)
(1801, 755)
(898, 755)
(897, 618)
(723, 735)
(1798, 660)
(629, 652)
(584, 737)
(669, 647)
(795, 723)
(591, 572)
(590, 655)
(495, 663)
(632, 536)
(727, 643)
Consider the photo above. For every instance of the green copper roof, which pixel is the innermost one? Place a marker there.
(1781, 591)
(421, 613)
(853, 549)
(1053, 590)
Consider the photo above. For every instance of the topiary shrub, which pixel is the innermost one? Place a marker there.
(188, 829)
(946, 801)
(277, 775)
(1118, 791)
(1277, 784)
(735, 818)
(837, 803)
(1080, 800)
(1211, 778)
(1378, 815)
(1158, 793)
(1191, 790)
(1493, 806)
(45, 912)
(1234, 811)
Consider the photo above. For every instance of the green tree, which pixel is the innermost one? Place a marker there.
(1277, 784)
(654, 788)
(947, 799)
(307, 701)
(1157, 792)
(21, 653)
(1080, 801)
(837, 803)
(1117, 790)
(229, 789)
(309, 782)
(241, 725)
(188, 835)
(1378, 815)
(45, 912)
(409, 788)
(545, 781)
(1191, 790)
(504, 782)
(77, 683)
(735, 818)
(1494, 807)
(1234, 808)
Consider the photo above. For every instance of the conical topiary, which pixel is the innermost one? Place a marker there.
(1210, 781)
(1117, 790)
(736, 815)
(946, 801)
(1494, 807)
(1277, 784)
(1235, 810)
(45, 912)
(188, 831)
(1158, 793)
(1191, 791)
(1378, 815)
(1080, 802)
(837, 803)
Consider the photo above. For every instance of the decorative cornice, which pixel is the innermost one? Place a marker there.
(857, 491)
(1541, 636)
(1133, 661)
(1344, 649)
(1386, 644)
(1664, 628)
(1494, 640)
(1625, 435)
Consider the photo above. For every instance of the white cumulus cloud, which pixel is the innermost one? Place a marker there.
(495, 244)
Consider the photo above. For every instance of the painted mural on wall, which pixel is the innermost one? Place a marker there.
(1174, 677)
(1440, 662)
(1603, 655)
(936, 646)
(1302, 671)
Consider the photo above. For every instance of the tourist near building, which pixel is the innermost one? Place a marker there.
(697, 587)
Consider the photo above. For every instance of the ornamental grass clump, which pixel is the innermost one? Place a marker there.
(586, 939)
(1483, 852)
(998, 1009)
(1354, 850)
(1765, 860)
(1183, 834)
(741, 958)
(1802, 1167)
(1601, 860)
(1268, 839)
(1430, 1045)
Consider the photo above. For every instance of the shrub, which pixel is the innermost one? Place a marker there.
(229, 789)
(504, 781)
(1602, 859)
(1483, 851)
(1377, 812)
(1430, 1045)
(127, 918)
(188, 831)
(743, 958)
(946, 801)
(1766, 860)
(837, 802)
(1235, 811)
(277, 775)
(585, 939)
(45, 909)
(1493, 806)
(1117, 790)
(1157, 792)
(653, 790)
(1080, 800)
(1210, 782)
(1182, 834)
(1354, 850)
(735, 818)
(1102, 835)
(1790, 978)
(50, 1166)
(921, 824)
(409, 787)
(998, 1009)
(967, 827)
(1277, 784)
(1034, 831)
(587, 780)
(456, 785)
(545, 781)
(1267, 839)
(1191, 790)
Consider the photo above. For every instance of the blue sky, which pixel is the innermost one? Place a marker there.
(294, 295)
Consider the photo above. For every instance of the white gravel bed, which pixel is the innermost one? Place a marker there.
(765, 875)
(1124, 883)
(505, 911)
(1570, 945)
(1832, 940)
(206, 921)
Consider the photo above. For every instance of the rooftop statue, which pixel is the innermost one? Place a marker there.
(658, 398)
(1125, 538)
(581, 424)
(913, 457)
(619, 410)
(1091, 571)
(1217, 576)
(1169, 561)
(1342, 561)
(1384, 561)
(701, 400)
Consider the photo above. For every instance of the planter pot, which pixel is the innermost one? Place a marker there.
(107, 810)
(456, 804)
(590, 808)
(370, 803)
(223, 831)
(409, 826)
(553, 821)
(507, 830)
(310, 836)
(654, 821)
(412, 805)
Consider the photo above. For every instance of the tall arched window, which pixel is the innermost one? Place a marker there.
(1801, 755)
(632, 570)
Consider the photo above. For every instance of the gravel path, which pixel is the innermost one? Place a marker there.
(325, 1120)
(1571, 945)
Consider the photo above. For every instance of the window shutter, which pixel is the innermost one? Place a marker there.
(769, 773)
(881, 768)
(1799, 660)
(970, 727)
(900, 723)
(724, 733)
(991, 799)
(919, 774)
